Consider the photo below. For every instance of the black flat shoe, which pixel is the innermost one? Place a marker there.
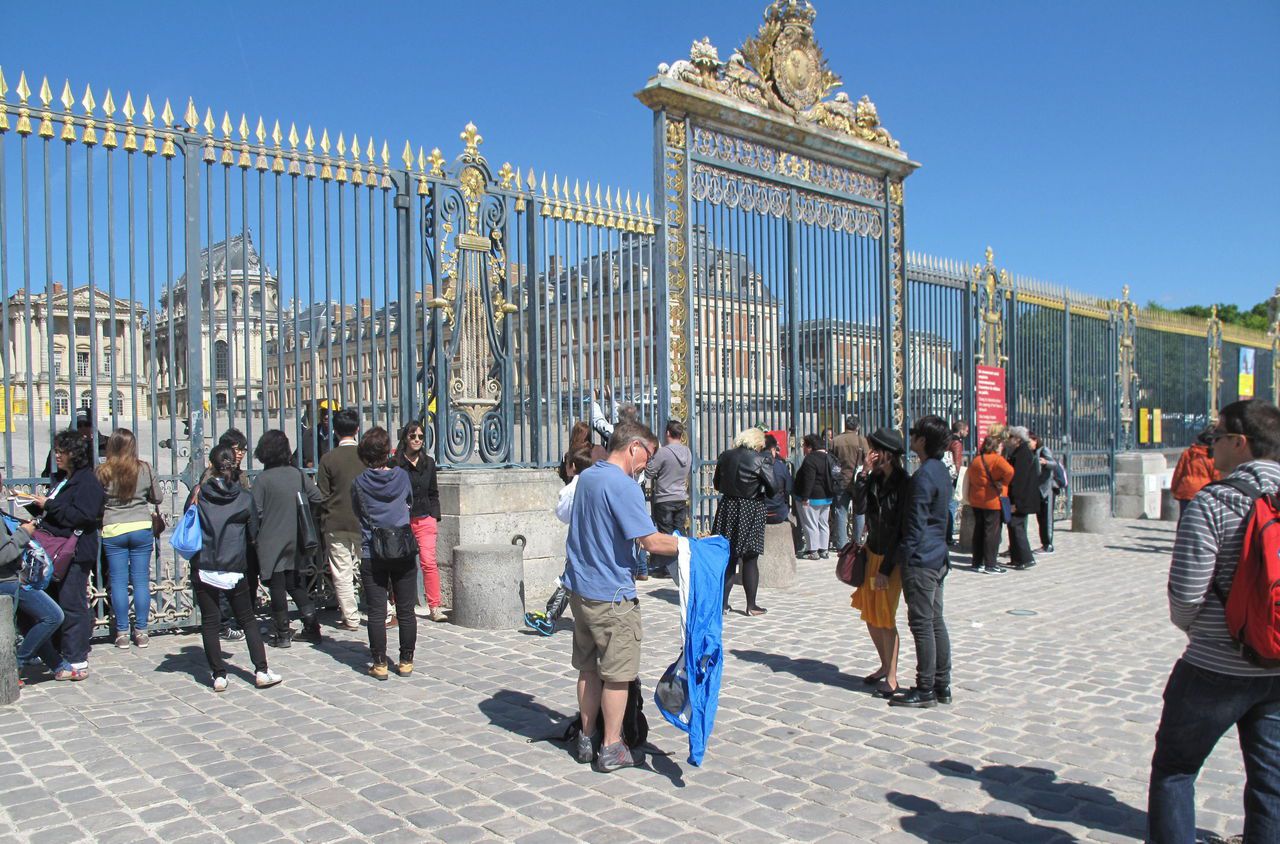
(756, 610)
(996, 570)
(885, 693)
(915, 699)
(942, 693)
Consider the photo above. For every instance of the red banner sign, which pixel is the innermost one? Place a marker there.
(992, 408)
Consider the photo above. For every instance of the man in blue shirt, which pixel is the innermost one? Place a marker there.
(925, 565)
(609, 516)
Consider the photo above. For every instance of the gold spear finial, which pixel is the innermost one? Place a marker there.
(68, 99)
(148, 113)
(166, 114)
(293, 136)
(309, 140)
(324, 141)
(209, 125)
(191, 117)
(407, 156)
(24, 90)
(260, 132)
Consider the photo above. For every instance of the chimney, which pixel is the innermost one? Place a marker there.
(57, 288)
(366, 308)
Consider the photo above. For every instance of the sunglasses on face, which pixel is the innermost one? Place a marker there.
(415, 437)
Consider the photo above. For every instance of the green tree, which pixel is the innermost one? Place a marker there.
(1254, 318)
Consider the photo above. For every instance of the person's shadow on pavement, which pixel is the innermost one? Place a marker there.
(1045, 796)
(809, 670)
(930, 822)
(191, 660)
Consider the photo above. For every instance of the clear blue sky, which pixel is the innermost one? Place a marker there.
(1091, 144)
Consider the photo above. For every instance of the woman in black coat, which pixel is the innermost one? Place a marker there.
(275, 497)
(814, 491)
(1024, 496)
(744, 479)
(74, 506)
(424, 516)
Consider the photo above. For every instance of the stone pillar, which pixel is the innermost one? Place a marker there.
(488, 587)
(8, 652)
(494, 506)
(1090, 512)
(778, 562)
(1139, 476)
(964, 515)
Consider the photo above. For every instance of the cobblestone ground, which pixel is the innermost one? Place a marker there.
(1049, 737)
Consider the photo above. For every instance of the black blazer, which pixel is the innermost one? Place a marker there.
(426, 493)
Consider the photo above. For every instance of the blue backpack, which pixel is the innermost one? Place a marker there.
(188, 537)
(37, 568)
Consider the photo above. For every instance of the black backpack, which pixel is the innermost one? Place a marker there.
(635, 727)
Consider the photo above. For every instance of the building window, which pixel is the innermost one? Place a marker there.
(61, 403)
(117, 403)
(86, 400)
(726, 322)
(220, 401)
(726, 361)
(220, 363)
(108, 364)
(59, 365)
(82, 364)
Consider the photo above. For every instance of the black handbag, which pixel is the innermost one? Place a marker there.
(308, 535)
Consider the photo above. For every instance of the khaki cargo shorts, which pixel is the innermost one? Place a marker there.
(606, 638)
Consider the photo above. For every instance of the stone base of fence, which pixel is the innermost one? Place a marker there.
(495, 507)
(1170, 509)
(8, 652)
(778, 562)
(1139, 479)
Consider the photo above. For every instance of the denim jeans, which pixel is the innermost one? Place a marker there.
(922, 587)
(952, 507)
(840, 518)
(48, 618)
(1199, 707)
(129, 562)
(378, 581)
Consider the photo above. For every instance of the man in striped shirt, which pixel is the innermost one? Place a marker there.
(1212, 687)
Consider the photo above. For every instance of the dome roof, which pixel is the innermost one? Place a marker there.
(237, 253)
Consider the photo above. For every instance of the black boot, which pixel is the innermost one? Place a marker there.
(311, 630)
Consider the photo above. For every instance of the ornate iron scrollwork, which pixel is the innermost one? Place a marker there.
(1126, 335)
(474, 303)
(990, 287)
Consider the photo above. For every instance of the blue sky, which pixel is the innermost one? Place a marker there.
(1092, 145)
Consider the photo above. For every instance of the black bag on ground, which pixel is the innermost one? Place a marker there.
(635, 726)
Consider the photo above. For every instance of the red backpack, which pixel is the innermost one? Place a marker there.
(1253, 598)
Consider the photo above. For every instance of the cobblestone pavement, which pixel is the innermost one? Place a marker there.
(1049, 738)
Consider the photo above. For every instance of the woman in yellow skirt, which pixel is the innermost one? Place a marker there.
(880, 493)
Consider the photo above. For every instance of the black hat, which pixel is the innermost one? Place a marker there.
(887, 439)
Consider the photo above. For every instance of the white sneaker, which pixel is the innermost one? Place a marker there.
(80, 666)
(422, 612)
(219, 684)
(266, 679)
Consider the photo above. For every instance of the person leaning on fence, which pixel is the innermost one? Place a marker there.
(925, 564)
(280, 562)
(337, 471)
(74, 508)
(955, 446)
(669, 472)
(814, 491)
(382, 497)
(1194, 471)
(744, 479)
(42, 610)
(987, 478)
(425, 516)
(229, 524)
(132, 498)
(880, 496)
(850, 450)
(1213, 687)
(608, 517)
(1048, 490)
(1024, 496)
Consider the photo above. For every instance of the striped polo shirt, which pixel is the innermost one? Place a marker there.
(1210, 535)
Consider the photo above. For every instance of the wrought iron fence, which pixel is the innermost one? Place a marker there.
(183, 275)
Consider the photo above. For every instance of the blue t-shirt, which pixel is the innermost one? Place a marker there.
(609, 514)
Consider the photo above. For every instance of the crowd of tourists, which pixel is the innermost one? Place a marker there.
(376, 504)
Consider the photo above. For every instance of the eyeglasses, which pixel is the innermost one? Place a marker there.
(1217, 435)
(648, 452)
(415, 437)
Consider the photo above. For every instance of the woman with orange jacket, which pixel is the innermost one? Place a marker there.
(988, 475)
(1194, 470)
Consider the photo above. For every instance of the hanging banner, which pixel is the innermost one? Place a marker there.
(991, 403)
(1245, 387)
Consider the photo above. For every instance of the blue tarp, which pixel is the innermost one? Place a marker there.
(689, 692)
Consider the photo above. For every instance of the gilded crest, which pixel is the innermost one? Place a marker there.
(797, 65)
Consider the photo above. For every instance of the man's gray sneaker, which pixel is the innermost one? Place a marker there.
(612, 757)
(585, 751)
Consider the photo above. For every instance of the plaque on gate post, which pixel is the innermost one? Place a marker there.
(991, 405)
